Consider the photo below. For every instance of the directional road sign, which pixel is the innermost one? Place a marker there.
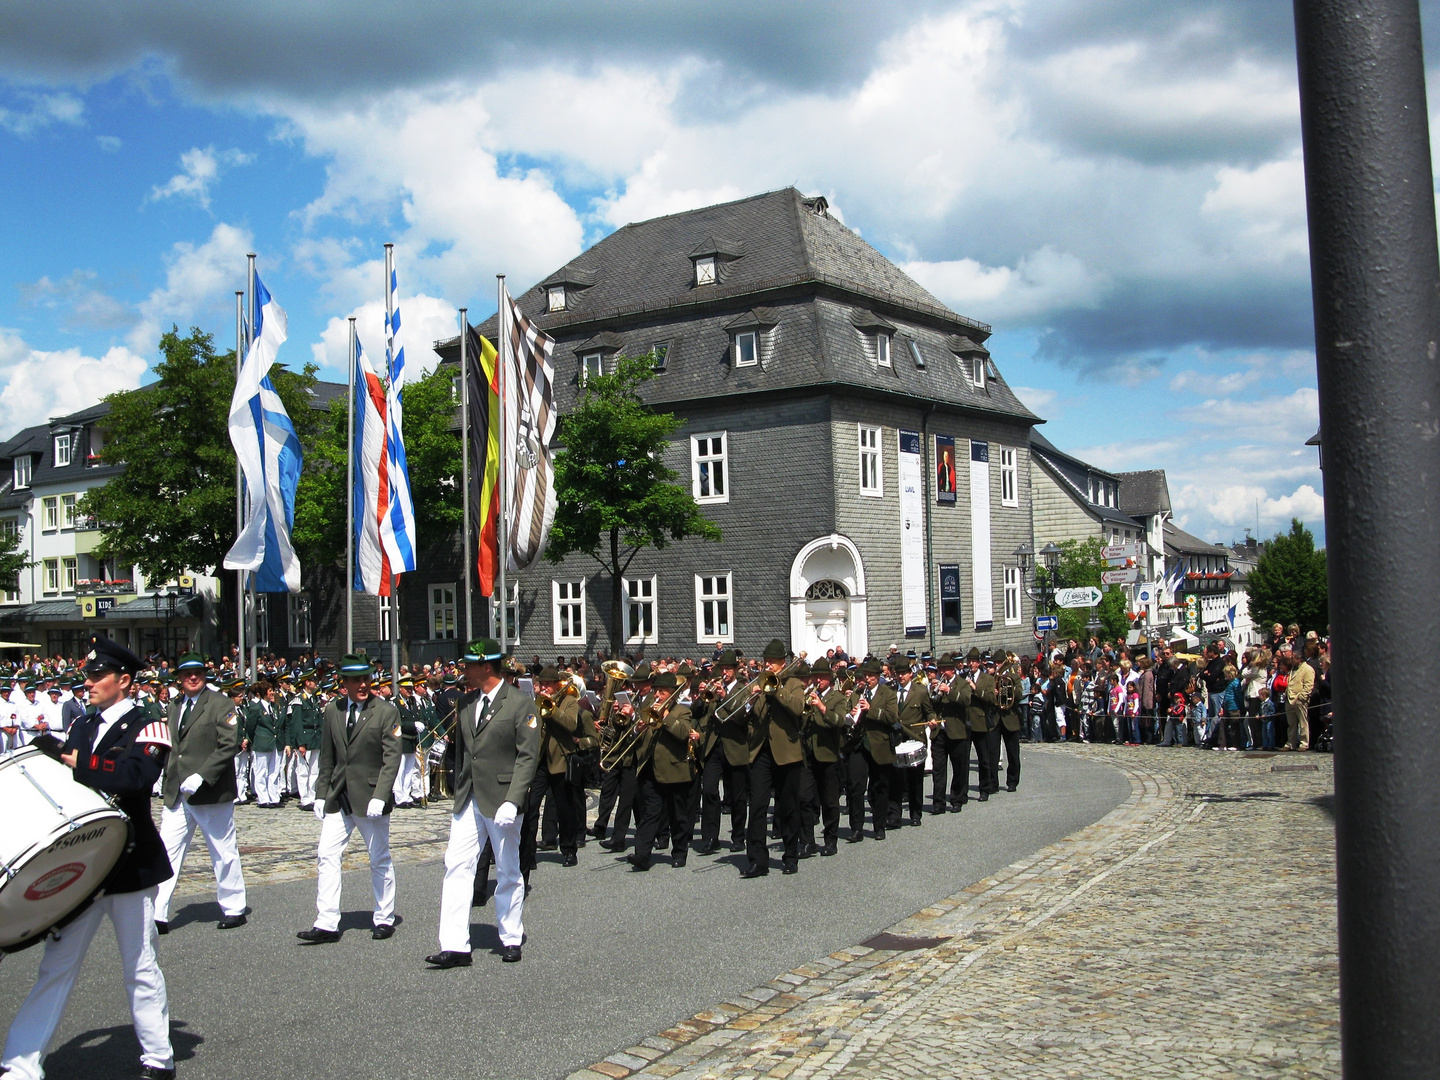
(1044, 623)
(1088, 596)
(1120, 577)
(1132, 550)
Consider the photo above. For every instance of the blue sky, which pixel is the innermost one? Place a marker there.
(1114, 185)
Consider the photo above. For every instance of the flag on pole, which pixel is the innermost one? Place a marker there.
(372, 491)
(528, 425)
(270, 457)
(483, 498)
(397, 531)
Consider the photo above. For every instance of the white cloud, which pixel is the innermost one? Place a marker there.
(109, 143)
(1235, 506)
(43, 110)
(36, 385)
(199, 289)
(1264, 206)
(200, 167)
(424, 320)
(1039, 401)
(78, 302)
(1042, 283)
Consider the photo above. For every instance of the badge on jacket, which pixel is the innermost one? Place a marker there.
(396, 733)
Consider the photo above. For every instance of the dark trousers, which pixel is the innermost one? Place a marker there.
(827, 791)
(1011, 739)
(737, 796)
(623, 801)
(809, 803)
(609, 791)
(560, 821)
(950, 758)
(766, 777)
(906, 783)
(986, 759)
(867, 777)
(661, 804)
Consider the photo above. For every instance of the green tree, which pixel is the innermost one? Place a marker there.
(173, 508)
(1288, 584)
(1080, 565)
(616, 496)
(12, 557)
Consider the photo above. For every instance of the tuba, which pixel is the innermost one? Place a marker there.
(616, 672)
(1005, 689)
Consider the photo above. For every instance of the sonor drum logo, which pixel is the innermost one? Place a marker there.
(57, 880)
(79, 838)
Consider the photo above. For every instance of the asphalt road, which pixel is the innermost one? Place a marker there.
(611, 956)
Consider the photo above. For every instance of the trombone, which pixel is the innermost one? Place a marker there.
(545, 704)
(739, 698)
(628, 740)
(616, 672)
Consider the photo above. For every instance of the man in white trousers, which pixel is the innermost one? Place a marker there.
(305, 718)
(497, 748)
(359, 757)
(198, 791)
(119, 751)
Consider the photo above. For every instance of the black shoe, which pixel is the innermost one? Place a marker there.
(879, 834)
(442, 960)
(678, 861)
(983, 797)
(230, 922)
(307, 806)
(598, 834)
(636, 865)
(957, 809)
(1011, 787)
(855, 838)
(934, 810)
(569, 860)
(317, 936)
(154, 1072)
(611, 845)
(162, 928)
(809, 851)
(510, 954)
(755, 871)
(737, 845)
(790, 868)
(917, 820)
(827, 850)
(897, 823)
(382, 931)
(546, 847)
(707, 849)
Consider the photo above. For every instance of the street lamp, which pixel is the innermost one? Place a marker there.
(1051, 553)
(1024, 555)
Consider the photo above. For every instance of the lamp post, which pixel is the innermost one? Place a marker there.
(1043, 592)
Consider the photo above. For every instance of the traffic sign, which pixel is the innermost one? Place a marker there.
(1120, 577)
(1145, 592)
(1046, 623)
(1088, 596)
(1130, 550)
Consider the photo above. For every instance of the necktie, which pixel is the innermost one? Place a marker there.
(350, 721)
(480, 714)
(185, 714)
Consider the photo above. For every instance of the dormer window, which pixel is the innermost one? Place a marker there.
(705, 270)
(22, 471)
(882, 349)
(591, 365)
(62, 451)
(555, 298)
(661, 352)
(747, 348)
(979, 376)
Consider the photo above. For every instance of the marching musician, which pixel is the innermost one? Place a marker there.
(872, 718)
(198, 791)
(950, 746)
(497, 739)
(725, 752)
(118, 751)
(560, 728)
(776, 755)
(825, 718)
(664, 772)
(978, 718)
(1007, 699)
(626, 778)
(359, 757)
(916, 716)
(306, 719)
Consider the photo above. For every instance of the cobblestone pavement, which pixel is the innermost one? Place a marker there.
(1189, 933)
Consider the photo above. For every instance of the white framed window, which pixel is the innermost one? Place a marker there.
(22, 471)
(705, 270)
(67, 511)
(297, 606)
(640, 611)
(512, 613)
(591, 364)
(262, 620)
(882, 349)
(442, 612)
(568, 606)
(10, 532)
(62, 451)
(52, 575)
(69, 573)
(386, 606)
(1009, 494)
(1012, 596)
(712, 608)
(708, 467)
(50, 513)
(555, 298)
(872, 478)
(979, 376)
(747, 348)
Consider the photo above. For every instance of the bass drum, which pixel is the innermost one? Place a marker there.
(61, 839)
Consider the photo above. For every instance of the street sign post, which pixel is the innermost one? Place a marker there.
(1045, 624)
(1132, 550)
(1120, 577)
(1087, 596)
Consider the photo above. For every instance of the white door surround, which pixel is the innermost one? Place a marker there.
(832, 615)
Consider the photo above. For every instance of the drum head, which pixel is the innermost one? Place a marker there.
(910, 753)
(58, 876)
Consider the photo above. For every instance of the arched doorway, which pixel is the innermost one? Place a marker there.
(827, 598)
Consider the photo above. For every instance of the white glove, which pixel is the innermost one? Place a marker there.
(506, 814)
(419, 727)
(376, 808)
(191, 784)
(319, 809)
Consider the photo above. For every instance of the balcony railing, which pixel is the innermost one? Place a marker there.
(99, 587)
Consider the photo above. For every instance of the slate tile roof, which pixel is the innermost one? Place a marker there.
(1144, 492)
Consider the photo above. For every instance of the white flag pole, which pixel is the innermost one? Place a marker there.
(254, 602)
(350, 495)
(389, 374)
(469, 555)
(503, 362)
(239, 488)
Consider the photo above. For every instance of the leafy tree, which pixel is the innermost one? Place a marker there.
(1288, 584)
(12, 557)
(173, 508)
(1081, 565)
(616, 496)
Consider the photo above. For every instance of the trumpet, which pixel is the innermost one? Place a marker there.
(545, 704)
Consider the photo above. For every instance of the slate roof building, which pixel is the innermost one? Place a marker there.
(851, 436)
(1075, 500)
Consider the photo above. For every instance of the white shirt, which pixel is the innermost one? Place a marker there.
(108, 717)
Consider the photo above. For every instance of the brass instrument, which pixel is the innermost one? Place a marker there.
(1005, 692)
(616, 672)
(768, 682)
(628, 740)
(545, 704)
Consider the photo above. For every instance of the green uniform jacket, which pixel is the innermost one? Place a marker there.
(878, 722)
(952, 707)
(207, 745)
(305, 721)
(265, 727)
(735, 732)
(827, 729)
(558, 736)
(497, 765)
(409, 714)
(775, 718)
(430, 718)
(1010, 717)
(670, 747)
(361, 765)
(917, 711)
(982, 703)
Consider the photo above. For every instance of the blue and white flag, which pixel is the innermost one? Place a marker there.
(397, 529)
(270, 457)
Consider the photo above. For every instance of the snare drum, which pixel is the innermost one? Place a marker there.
(61, 840)
(909, 754)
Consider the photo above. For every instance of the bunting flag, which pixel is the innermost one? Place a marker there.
(528, 419)
(373, 491)
(483, 498)
(270, 457)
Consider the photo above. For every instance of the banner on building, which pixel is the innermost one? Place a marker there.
(950, 598)
(980, 535)
(912, 536)
(945, 470)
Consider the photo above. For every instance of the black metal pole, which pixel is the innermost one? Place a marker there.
(1376, 283)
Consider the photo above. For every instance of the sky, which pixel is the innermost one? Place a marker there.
(1115, 185)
